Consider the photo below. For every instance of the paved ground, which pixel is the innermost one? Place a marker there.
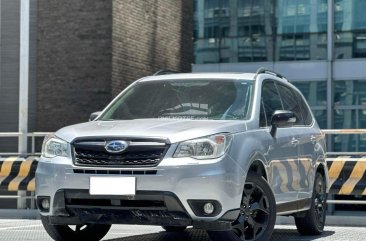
(32, 230)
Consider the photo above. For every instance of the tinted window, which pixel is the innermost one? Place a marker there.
(270, 102)
(306, 114)
(262, 118)
(290, 102)
(184, 99)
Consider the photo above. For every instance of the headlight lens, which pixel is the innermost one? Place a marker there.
(209, 147)
(53, 146)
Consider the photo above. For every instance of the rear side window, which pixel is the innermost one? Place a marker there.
(290, 102)
(270, 102)
(306, 114)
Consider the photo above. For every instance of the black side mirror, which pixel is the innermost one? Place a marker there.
(94, 115)
(282, 119)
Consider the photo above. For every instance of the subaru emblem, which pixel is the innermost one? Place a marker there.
(116, 146)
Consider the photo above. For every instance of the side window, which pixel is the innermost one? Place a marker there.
(306, 114)
(262, 116)
(270, 102)
(290, 102)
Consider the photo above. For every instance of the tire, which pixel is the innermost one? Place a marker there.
(314, 220)
(174, 228)
(257, 213)
(90, 232)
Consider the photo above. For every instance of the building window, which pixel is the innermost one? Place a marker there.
(350, 29)
(297, 32)
(350, 112)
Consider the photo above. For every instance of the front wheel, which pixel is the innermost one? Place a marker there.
(90, 232)
(314, 220)
(257, 213)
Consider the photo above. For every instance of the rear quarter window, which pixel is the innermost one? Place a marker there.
(305, 111)
(291, 103)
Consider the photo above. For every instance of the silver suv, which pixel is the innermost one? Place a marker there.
(221, 152)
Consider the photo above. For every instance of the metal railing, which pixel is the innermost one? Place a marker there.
(21, 196)
(345, 132)
(351, 158)
(33, 137)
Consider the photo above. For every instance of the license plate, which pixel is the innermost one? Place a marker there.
(112, 186)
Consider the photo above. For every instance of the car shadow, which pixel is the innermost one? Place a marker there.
(201, 235)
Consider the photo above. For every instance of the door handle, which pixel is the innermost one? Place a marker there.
(313, 139)
(294, 141)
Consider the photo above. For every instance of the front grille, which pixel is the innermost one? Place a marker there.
(139, 153)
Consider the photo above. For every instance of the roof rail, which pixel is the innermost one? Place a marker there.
(263, 70)
(165, 71)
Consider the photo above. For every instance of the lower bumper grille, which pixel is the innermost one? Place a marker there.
(116, 204)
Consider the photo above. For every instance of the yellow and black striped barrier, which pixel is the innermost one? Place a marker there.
(347, 175)
(18, 173)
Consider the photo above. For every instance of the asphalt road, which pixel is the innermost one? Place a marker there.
(32, 230)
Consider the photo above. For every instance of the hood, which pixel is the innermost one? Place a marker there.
(173, 130)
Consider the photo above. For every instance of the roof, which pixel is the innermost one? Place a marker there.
(242, 76)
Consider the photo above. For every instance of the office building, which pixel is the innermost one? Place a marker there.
(320, 45)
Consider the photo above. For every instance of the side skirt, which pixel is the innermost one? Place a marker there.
(293, 207)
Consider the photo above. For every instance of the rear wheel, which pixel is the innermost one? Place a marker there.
(257, 213)
(174, 228)
(314, 220)
(90, 232)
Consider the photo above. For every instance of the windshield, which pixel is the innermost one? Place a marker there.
(184, 99)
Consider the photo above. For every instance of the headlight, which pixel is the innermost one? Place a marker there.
(209, 147)
(53, 146)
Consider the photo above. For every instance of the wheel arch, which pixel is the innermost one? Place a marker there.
(323, 170)
(257, 165)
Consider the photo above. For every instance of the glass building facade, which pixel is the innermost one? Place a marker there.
(319, 45)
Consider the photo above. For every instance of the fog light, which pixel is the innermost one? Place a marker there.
(45, 204)
(205, 208)
(208, 208)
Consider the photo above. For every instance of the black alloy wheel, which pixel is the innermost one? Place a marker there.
(313, 222)
(257, 213)
(320, 202)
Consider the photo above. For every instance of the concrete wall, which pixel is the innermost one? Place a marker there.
(149, 36)
(88, 51)
(74, 60)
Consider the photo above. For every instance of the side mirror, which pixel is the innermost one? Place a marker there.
(94, 115)
(282, 119)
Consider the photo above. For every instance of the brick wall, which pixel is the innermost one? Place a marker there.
(74, 60)
(89, 50)
(149, 35)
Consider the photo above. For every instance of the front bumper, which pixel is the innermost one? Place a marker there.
(73, 207)
(172, 186)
